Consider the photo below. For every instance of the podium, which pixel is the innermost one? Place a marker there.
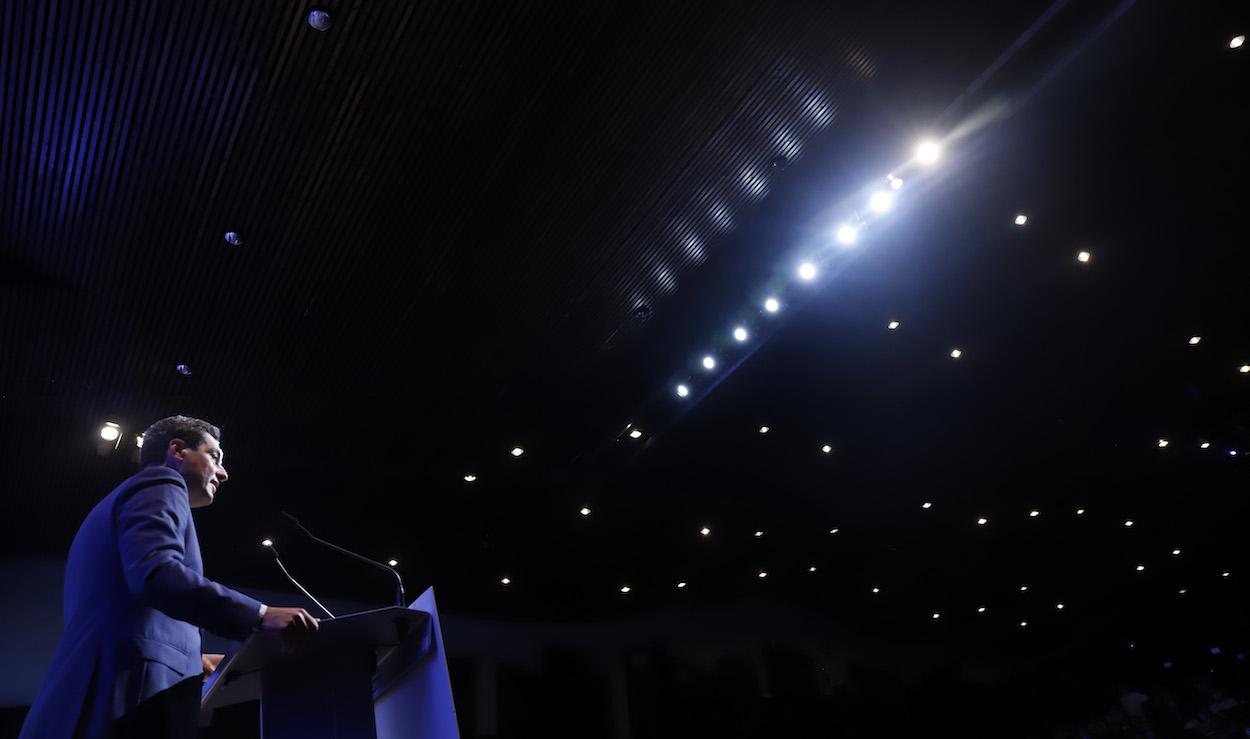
(378, 673)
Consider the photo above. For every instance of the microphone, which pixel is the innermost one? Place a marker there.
(399, 583)
(268, 544)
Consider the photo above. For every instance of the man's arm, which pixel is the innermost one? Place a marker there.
(150, 523)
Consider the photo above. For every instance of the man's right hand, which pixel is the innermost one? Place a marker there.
(293, 621)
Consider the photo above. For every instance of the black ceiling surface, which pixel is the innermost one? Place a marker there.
(451, 215)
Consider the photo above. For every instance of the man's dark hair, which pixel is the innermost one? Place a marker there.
(156, 438)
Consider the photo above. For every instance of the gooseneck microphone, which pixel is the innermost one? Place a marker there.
(399, 583)
(273, 549)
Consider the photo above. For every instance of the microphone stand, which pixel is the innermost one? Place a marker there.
(274, 551)
(399, 583)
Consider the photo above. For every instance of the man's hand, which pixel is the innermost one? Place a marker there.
(210, 663)
(294, 622)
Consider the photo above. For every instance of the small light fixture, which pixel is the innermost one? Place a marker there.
(928, 152)
(517, 451)
(1083, 256)
(635, 434)
(705, 531)
(1232, 452)
(980, 609)
(682, 391)
(1225, 573)
(505, 580)
(139, 440)
(762, 574)
(1195, 340)
(892, 325)
(470, 478)
(1034, 513)
(584, 511)
(847, 234)
(740, 334)
(709, 362)
(1244, 369)
(1080, 511)
(807, 271)
(936, 615)
(956, 353)
(1236, 41)
(826, 449)
(1021, 219)
(982, 521)
(1024, 624)
(266, 542)
(1141, 568)
(1059, 606)
(875, 590)
(110, 431)
(811, 569)
(393, 562)
(926, 505)
(834, 531)
(1205, 445)
(624, 588)
(1128, 523)
(681, 585)
(763, 429)
(758, 534)
(1182, 591)
(1176, 552)
(1024, 588)
(771, 305)
(1163, 443)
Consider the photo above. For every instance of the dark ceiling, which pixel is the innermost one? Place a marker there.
(470, 226)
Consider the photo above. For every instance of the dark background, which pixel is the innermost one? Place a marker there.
(473, 226)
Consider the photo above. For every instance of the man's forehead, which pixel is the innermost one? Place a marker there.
(210, 445)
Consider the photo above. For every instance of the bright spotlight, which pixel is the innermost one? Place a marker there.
(393, 562)
(1021, 219)
(705, 531)
(880, 202)
(266, 542)
(1244, 369)
(763, 429)
(771, 305)
(1083, 256)
(926, 505)
(505, 580)
(139, 441)
(927, 152)
(584, 511)
(517, 451)
(709, 362)
(956, 353)
(807, 271)
(740, 334)
(1237, 41)
(1194, 340)
(682, 391)
(892, 325)
(681, 585)
(624, 588)
(1034, 513)
(635, 434)
(1163, 443)
(847, 234)
(470, 478)
(110, 431)
(826, 449)
(982, 521)
(763, 574)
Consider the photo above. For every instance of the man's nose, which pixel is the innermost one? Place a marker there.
(222, 475)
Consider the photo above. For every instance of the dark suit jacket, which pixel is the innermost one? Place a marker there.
(135, 597)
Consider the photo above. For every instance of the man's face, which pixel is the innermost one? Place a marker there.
(201, 467)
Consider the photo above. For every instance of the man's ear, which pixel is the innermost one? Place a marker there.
(177, 447)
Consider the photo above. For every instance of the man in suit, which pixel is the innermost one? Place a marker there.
(129, 661)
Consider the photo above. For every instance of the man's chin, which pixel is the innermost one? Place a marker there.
(203, 500)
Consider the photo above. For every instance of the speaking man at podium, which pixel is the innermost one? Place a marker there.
(128, 663)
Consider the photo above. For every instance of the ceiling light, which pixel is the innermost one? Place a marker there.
(876, 590)
(1182, 591)
(1034, 513)
(847, 234)
(1024, 588)
(470, 478)
(584, 511)
(705, 531)
(981, 609)
(771, 305)
(1232, 452)
(982, 521)
(266, 542)
(1163, 443)
(1059, 606)
(1237, 41)
(758, 534)
(1225, 573)
(927, 152)
(1193, 340)
(709, 362)
(880, 202)
(393, 562)
(1141, 568)
(956, 353)
(681, 585)
(1244, 369)
(1082, 256)
(926, 505)
(1205, 445)
(740, 334)
(762, 574)
(1128, 523)
(807, 271)
(110, 431)
(1176, 552)
(826, 449)
(635, 434)
(892, 325)
(139, 440)
(624, 588)
(936, 615)
(811, 569)
(517, 451)
(833, 531)
(506, 580)
(1021, 219)
(682, 391)
(763, 429)
(1024, 624)
(1080, 511)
